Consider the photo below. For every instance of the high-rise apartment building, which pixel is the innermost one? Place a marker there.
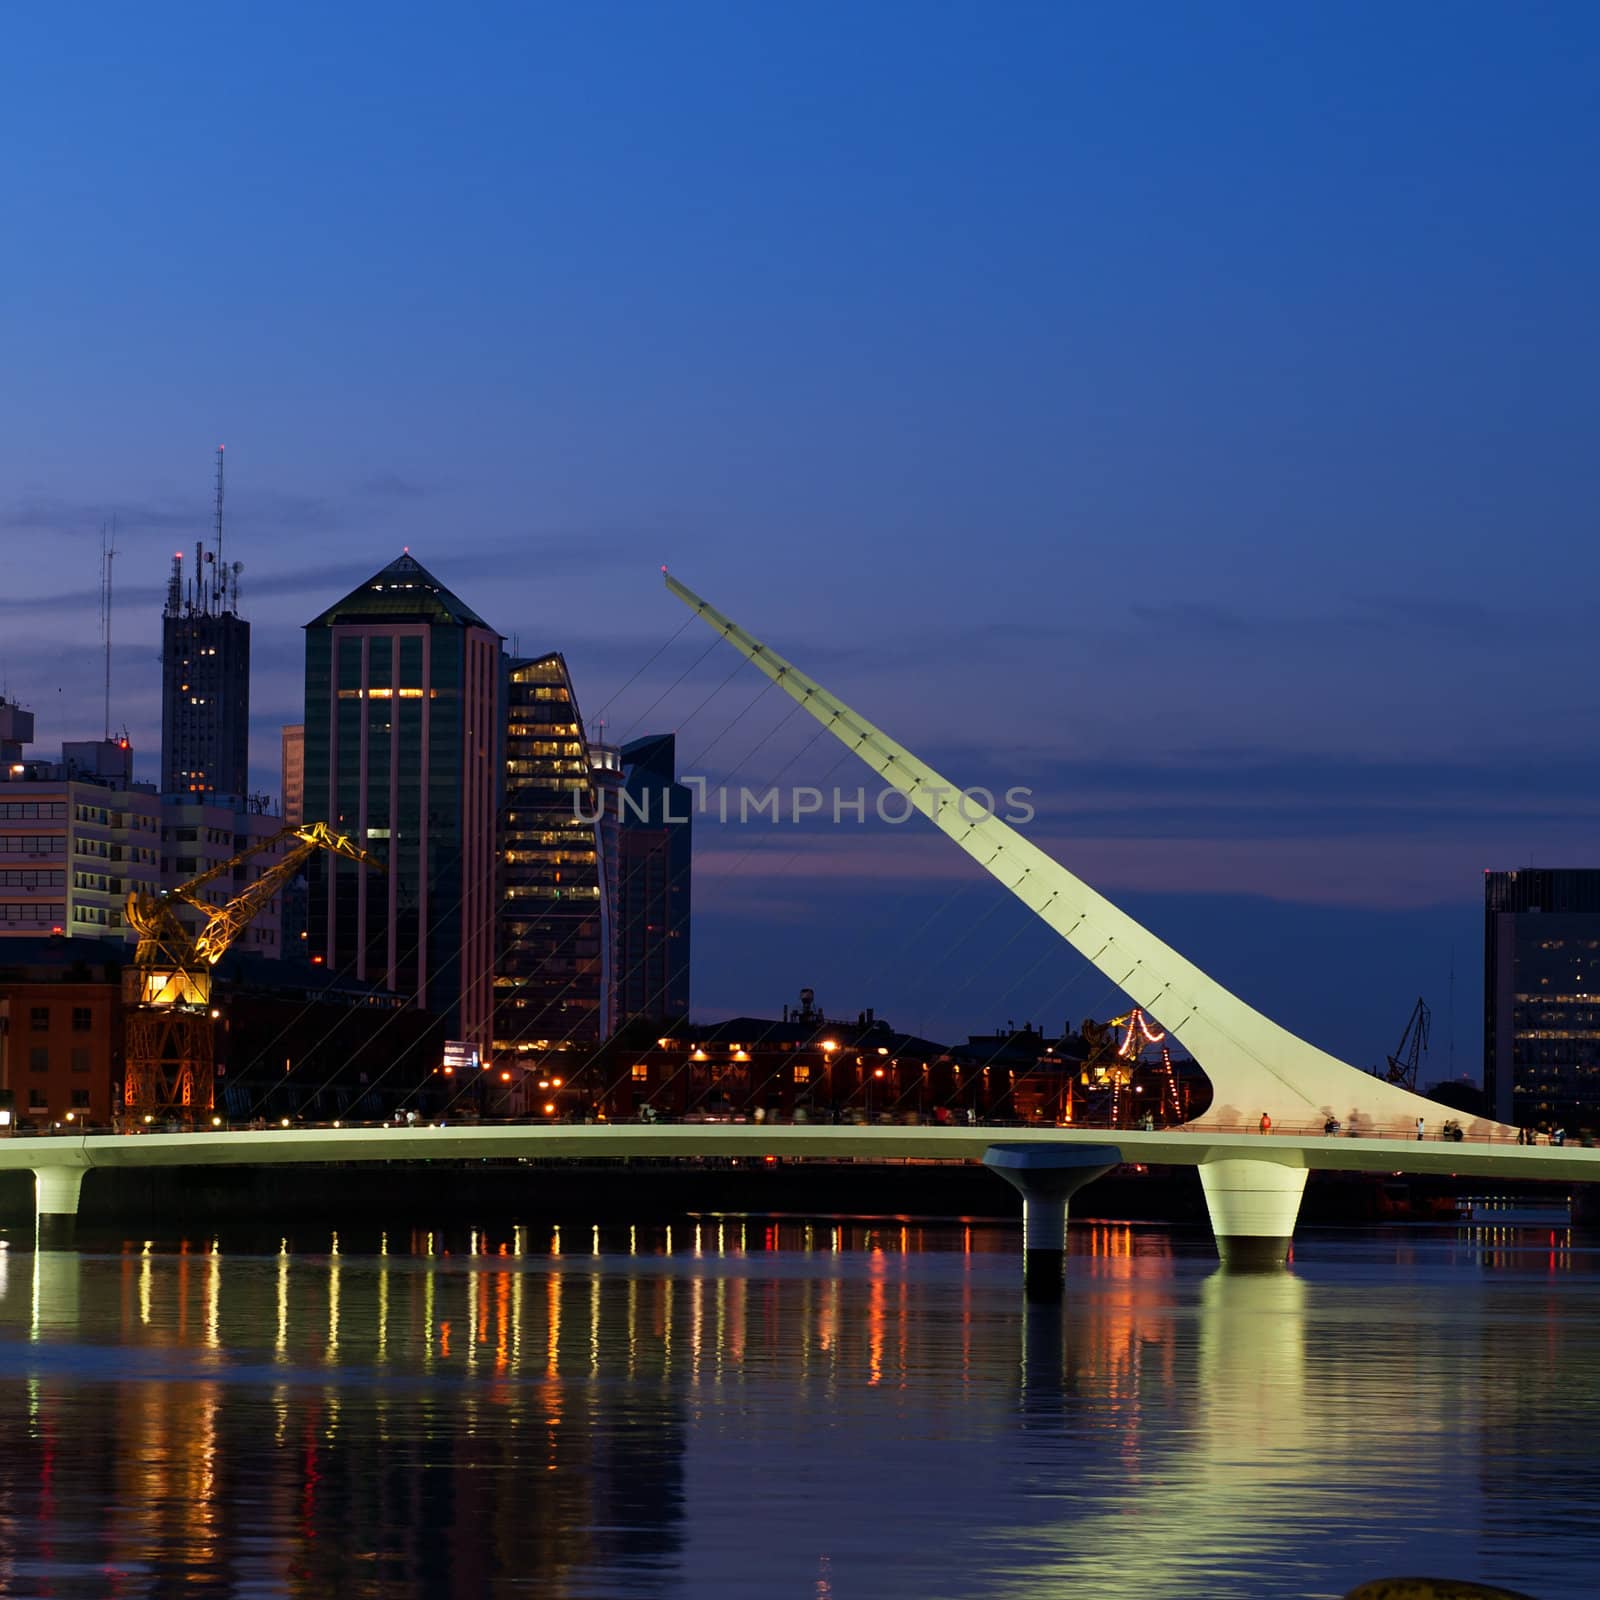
(551, 966)
(205, 677)
(294, 773)
(654, 891)
(402, 748)
(1541, 991)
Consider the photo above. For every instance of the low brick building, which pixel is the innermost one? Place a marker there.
(61, 1030)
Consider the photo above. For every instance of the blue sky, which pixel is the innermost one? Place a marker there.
(1187, 411)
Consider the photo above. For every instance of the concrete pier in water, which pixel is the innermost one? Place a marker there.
(1047, 1177)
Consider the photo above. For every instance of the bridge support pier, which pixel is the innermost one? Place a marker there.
(56, 1191)
(1253, 1205)
(1047, 1177)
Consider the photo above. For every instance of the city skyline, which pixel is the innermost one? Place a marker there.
(941, 931)
(1211, 486)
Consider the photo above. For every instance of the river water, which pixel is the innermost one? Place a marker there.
(823, 1409)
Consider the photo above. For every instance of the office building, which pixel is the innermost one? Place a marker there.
(402, 747)
(654, 897)
(205, 682)
(294, 773)
(16, 732)
(1541, 989)
(551, 966)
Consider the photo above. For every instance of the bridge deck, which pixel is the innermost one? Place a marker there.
(565, 1141)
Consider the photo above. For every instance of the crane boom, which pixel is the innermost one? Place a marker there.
(163, 939)
(224, 924)
(1408, 1054)
(190, 891)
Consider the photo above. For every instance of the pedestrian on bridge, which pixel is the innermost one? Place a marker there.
(1419, 1129)
(1266, 1123)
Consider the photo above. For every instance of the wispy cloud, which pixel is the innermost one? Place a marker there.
(393, 486)
(83, 601)
(81, 518)
(260, 510)
(1367, 613)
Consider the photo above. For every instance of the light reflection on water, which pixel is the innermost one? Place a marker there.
(822, 1409)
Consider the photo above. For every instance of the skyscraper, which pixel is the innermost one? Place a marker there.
(551, 968)
(205, 676)
(654, 898)
(402, 737)
(1541, 997)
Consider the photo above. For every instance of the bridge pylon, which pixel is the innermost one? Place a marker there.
(56, 1190)
(1253, 1203)
(1047, 1176)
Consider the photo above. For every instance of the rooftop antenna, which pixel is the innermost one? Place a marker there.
(108, 551)
(222, 571)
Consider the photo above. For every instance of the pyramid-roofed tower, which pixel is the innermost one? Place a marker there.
(404, 695)
(403, 591)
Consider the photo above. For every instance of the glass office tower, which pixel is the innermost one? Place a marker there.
(1541, 993)
(402, 737)
(656, 858)
(552, 967)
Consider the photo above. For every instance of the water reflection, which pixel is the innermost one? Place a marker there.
(755, 1405)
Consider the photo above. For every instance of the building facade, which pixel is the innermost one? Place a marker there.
(551, 965)
(205, 685)
(61, 1035)
(71, 852)
(293, 1041)
(605, 769)
(654, 896)
(1541, 990)
(802, 1066)
(294, 773)
(402, 749)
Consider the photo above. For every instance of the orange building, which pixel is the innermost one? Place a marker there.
(61, 1032)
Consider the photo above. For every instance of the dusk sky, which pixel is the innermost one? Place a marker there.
(1186, 412)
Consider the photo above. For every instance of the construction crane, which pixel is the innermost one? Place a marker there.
(1412, 1048)
(168, 1070)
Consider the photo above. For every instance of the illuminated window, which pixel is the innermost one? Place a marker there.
(641, 1072)
(802, 1074)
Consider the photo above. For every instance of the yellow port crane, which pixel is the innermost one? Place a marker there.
(169, 1065)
